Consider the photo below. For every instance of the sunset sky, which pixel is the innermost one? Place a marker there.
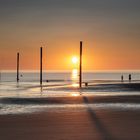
(109, 29)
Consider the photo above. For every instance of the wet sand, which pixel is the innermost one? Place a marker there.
(107, 86)
(74, 123)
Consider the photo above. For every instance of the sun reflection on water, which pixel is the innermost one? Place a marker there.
(74, 78)
(74, 74)
(75, 94)
(75, 85)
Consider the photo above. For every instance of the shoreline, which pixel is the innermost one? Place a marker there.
(74, 99)
(72, 116)
(73, 123)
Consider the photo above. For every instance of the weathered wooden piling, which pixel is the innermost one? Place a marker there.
(80, 66)
(0, 76)
(18, 67)
(41, 65)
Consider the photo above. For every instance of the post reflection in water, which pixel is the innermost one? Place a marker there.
(74, 78)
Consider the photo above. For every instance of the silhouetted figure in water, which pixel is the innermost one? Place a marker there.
(130, 78)
(122, 78)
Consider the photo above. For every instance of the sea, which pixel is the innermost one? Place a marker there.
(34, 76)
(15, 97)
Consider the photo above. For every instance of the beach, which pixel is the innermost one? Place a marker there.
(70, 70)
(81, 121)
(77, 116)
(103, 110)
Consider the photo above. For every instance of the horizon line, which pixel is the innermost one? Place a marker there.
(59, 71)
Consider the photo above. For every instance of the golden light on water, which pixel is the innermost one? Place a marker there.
(75, 74)
(75, 85)
(75, 94)
(74, 77)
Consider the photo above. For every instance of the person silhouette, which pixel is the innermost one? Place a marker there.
(122, 78)
(130, 78)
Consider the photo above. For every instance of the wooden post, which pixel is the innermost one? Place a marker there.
(40, 65)
(80, 66)
(0, 76)
(17, 67)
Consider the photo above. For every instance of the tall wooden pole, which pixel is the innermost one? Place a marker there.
(40, 65)
(80, 66)
(17, 67)
(0, 76)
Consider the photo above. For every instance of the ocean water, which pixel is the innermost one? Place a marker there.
(14, 97)
(68, 76)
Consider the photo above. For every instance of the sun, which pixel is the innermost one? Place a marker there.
(74, 60)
